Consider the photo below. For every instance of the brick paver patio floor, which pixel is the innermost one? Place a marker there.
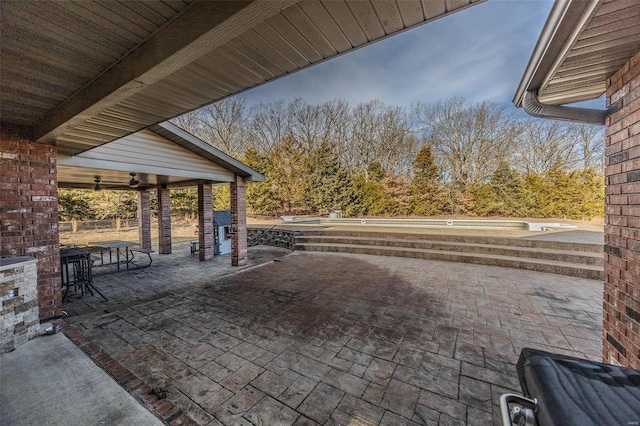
(348, 339)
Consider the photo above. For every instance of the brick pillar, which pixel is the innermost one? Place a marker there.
(164, 220)
(621, 322)
(238, 222)
(205, 221)
(144, 219)
(29, 215)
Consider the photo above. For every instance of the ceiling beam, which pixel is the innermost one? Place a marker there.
(201, 28)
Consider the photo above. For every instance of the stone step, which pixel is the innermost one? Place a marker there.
(568, 256)
(459, 238)
(551, 266)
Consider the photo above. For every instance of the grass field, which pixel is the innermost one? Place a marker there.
(181, 231)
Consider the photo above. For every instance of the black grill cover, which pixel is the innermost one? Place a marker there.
(574, 391)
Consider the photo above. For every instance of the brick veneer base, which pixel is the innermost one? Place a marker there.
(164, 409)
(621, 301)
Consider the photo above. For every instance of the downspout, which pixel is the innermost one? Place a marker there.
(534, 107)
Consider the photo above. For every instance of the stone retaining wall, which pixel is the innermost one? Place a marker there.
(271, 237)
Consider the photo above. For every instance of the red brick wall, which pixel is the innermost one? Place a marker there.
(239, 222)
(144, 219)
(621, 335)
(164, 220)
(205, 221)
(29, 214)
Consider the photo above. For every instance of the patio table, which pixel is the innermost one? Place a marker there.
(117, 245)
(76, 269)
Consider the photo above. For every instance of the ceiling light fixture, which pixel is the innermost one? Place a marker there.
(133, 183)
(97, 187)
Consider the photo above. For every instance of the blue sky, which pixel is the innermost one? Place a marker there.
(479, 54)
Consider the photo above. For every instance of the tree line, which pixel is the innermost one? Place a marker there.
(447, 157)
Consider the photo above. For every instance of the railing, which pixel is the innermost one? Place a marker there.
(271, 237)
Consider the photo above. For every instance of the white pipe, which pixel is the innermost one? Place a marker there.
(534, 107)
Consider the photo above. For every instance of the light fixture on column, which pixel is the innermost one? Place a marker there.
(133, 183)
(97, 187)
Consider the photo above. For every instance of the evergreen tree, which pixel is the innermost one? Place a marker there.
(259, 197)
(504, 195)
(592, 203)
(110, 204)
(397, 195)
(368, 198)
(375, 172)
(74, 204)
(222, 197)
(287, 175)
(428, 197)
(184, 202)
(327, 182)
(559, 193)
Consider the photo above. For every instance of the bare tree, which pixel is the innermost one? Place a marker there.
(468, 140)
(380, 134)
(362, 147)
(269, 125)
(396, 142)
(224, 125)
(336, 115)
(588, 140)
(190, 122)
(542, 145)
(307, 123)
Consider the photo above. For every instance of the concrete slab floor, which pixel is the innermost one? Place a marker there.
(168, 274)
(49, 381)
(320, 338)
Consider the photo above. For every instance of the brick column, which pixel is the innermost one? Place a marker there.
(29, 215)
(144, 219)
(164, 220)
(238, 221)
(621, 322)
(205, 221)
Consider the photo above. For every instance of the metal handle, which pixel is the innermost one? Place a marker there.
(508, 398)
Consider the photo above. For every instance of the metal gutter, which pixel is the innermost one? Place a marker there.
(534, 107)
(563, 26)
(558, 11)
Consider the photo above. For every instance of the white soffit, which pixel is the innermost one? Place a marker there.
(155, 160)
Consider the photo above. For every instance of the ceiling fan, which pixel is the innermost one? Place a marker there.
(100, 183)
(133, 183)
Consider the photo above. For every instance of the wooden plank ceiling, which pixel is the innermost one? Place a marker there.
(86, 73)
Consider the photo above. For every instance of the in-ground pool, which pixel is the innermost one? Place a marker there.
(434, 223)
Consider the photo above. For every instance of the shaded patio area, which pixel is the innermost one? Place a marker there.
(168, 274)
(339, 338)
